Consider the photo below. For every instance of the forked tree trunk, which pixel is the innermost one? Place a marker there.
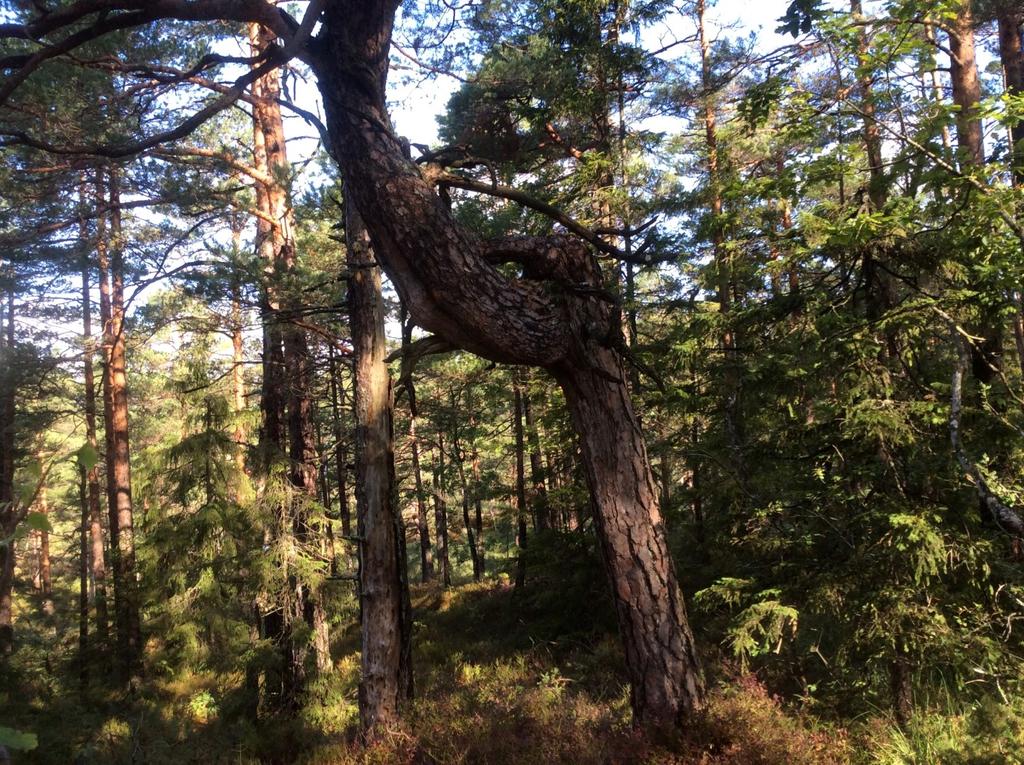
(449, 281)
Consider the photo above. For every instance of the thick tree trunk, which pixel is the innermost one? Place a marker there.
(1011, 54)
(119, 484)
(966, 85)
(986, 354)
(449, 281)
(661, 657)
(384, 631)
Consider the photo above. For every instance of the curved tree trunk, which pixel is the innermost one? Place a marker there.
(449, 281)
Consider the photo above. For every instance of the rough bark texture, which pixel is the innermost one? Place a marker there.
(1011, 54)
(452, 288)
(963, 73)
(381, 686)
(119, 477)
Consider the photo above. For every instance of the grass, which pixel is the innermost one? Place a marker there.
(501, 677)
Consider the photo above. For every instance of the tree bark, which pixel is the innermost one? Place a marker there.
(422, 522)
(522, 509)
(119, 484)
(384, 630)
(986, 354)
(83, 582)
(340, 452)
(449, 281)
(441, 513)
(97, 554)
(1011, 54)
(538, 492)
(45, 569)
(8, 519)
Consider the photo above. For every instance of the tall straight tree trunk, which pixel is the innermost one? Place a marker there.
(422, 522)
(97, 553)
(966, 85)
(7, 516)
(119, 484)
(386, 634)
(441, 513)
(237, 324)
(539, 492)
(340, 453)
(449, 280)
(83, 581)
(721, 254)
(278, 248)
(1011, 55)
(45, 569)
(521, 507)
(877, 285)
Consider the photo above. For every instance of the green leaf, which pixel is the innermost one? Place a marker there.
(38, 522)
(87, 456)
(15, 739)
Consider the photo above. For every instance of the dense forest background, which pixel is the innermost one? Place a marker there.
(260, 503)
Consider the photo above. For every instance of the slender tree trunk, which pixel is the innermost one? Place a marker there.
(441, 513)
(384, 680)
(83, 582)
(340, 453)
(97, 554)
(422, 523)
(45, 569)
(7, 517)
(539, 492)
(521, 506)
(467, 522)
(721, 254)
(237, 323)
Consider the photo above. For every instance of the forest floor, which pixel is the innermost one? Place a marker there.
(501, 678)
